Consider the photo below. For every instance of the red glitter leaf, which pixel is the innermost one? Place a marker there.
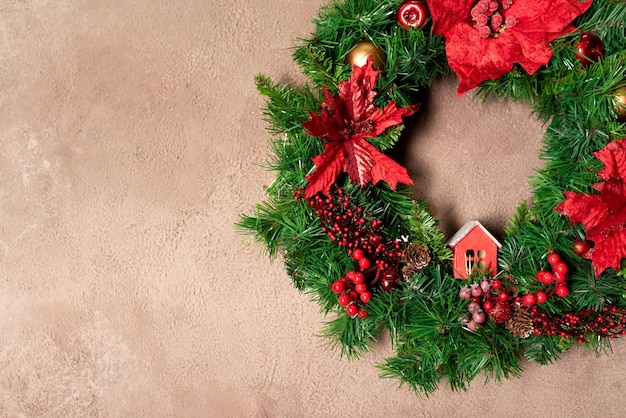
(347, 119)
(603, 215)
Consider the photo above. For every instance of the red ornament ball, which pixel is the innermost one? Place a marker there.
(412, 14)
(581, 246)
(503, 296)
(554, 258)
(561, 291)
(590, 49)
(352, 309)
(501, 312)
(496, 284)
(541, 297)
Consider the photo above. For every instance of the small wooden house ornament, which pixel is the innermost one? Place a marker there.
(474, 250)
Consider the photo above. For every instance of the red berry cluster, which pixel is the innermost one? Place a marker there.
(379, 258)
(352, 289)
(608, 323)
(346, 225)
(554, 282)
(488, 19)
(477, 292)
(495, 304)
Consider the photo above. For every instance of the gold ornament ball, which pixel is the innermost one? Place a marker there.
(620, 102)
(364, 49)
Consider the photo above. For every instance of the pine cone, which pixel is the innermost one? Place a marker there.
(520, 324)
(409, 271)
(417, 257)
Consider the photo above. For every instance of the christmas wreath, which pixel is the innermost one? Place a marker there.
(340, 211)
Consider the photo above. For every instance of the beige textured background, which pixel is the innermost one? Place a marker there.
(129, 132)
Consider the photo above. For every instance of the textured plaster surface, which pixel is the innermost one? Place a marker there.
(129, 130)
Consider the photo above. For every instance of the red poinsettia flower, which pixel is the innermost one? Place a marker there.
(604, 214)
(485, 38)
(346, 121)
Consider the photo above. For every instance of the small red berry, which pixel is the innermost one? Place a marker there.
(344, 299)
(362, 314)
(561, 291)
(503, 296)
(358, 278)
(496, 284)
(358, 254)
(366, 297)
(545, 277)
(353, 295)
(361, 288)
(338, 286)
(352, 309)
(529, 299)
(488, 306)
(364, 263)
(554, 258)
(541, 297)
(350, 275)
(560, 267)
(560, 277)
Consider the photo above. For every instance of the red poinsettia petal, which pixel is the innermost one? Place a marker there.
(357, 93)
(328, 165)
(387, 117)
(613, 156)
(358, 162)
(613, 194)
(546, 16)
(387, 170)
(476, 59)
(329, 125)
(532, 54)
(447, 13)
(364, 164)
(609, 243)
(590, 210)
